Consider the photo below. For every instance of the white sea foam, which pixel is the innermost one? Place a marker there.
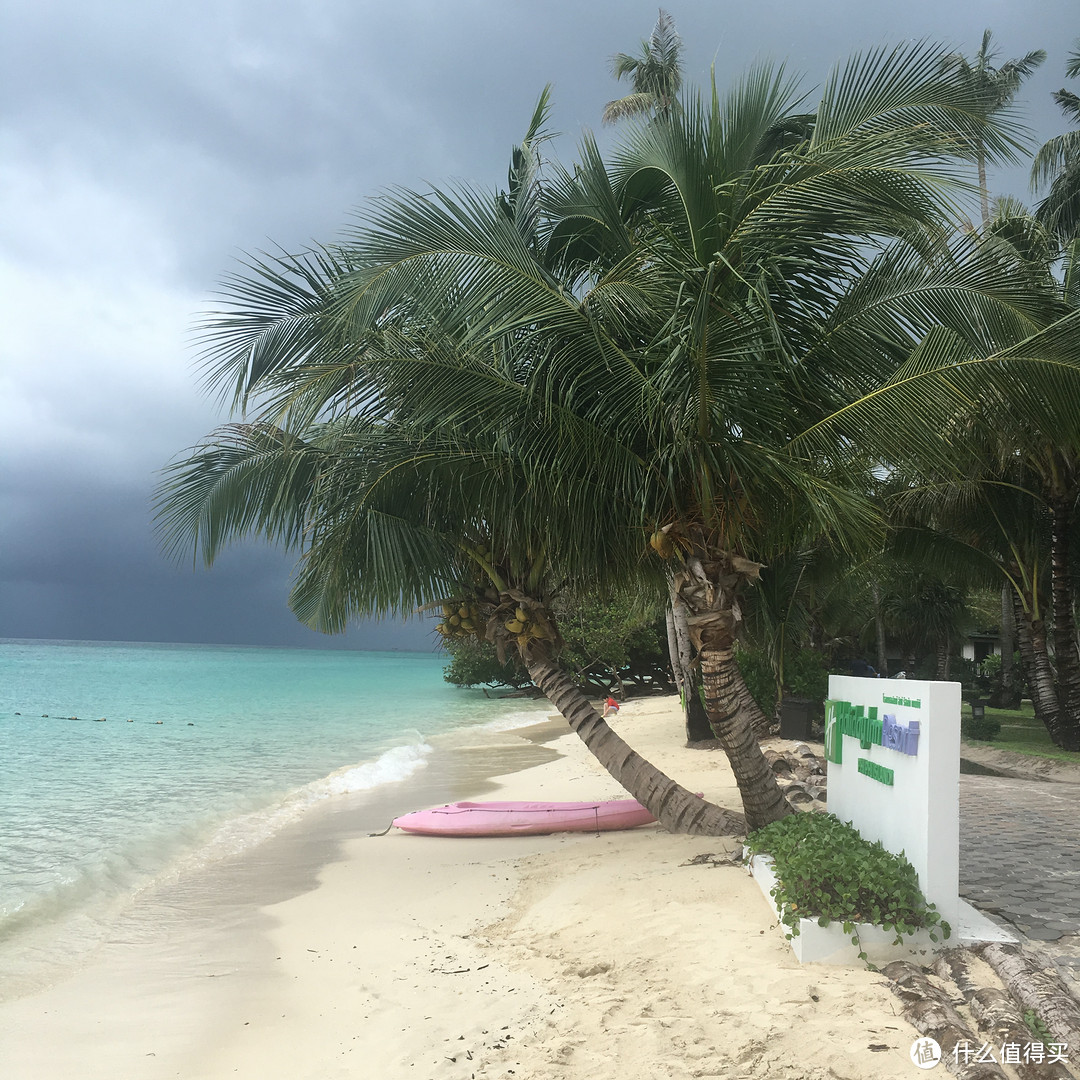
(63, 920)
(391, 768)
(246, 830)
(522, 718)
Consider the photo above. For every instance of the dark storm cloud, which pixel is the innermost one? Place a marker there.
(144, 147)
(90, 566)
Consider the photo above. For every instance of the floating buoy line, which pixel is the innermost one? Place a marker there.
(99, 720)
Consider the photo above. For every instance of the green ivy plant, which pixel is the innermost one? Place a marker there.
(1037, 1026)
(826, 871)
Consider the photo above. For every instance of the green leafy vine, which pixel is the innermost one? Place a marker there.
(826, 871)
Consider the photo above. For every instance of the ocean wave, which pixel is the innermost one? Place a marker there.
(167, 851)
(520, 718)
(246, 830)
(49, 924)
(392, 767)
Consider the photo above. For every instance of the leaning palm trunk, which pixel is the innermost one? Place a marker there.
(698, 726)
(763, 801)
(707, 583)
(676, 808)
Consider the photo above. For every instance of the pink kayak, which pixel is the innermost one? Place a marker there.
(512, 818)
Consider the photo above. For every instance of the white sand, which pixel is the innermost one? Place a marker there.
(573, 956)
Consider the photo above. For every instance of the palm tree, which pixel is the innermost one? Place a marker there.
(613, 355)
(413, 491)
(1044, 447)
(1058, 164)
(925, 610)
(994, 88)
(981, 530)
(746, 228)
(655, 75)
(999, 405)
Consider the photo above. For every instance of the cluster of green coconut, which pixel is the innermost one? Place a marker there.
(525, 629)
(461, 618)
(519, 623)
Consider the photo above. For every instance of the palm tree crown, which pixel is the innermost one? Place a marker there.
(655, 74)
(1057, 164)
(994, 89)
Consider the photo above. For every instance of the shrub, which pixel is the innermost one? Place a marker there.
(758, 676)
(805, 675)
(985, 730)
(474, 663)
(826, 870)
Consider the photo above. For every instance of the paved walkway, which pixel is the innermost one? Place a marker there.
(1020, 859)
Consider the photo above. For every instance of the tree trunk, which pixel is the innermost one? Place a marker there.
(1031, 638)
(698, 728)
(1009, 695)
(708, 581)
(997, 1015)
(694, 715)
(673, 649)
(942, 673)
(879, 631)
(762, 799)
(674, 807)
(929, 1009)
(1036, 989)
(1002, 1023)
(1066, 656)
(617, 686)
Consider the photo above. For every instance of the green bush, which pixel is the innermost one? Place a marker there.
(474, 663)
(605, 640)
(758, 675)
(826, 870)
(805, 675)
(985, 730)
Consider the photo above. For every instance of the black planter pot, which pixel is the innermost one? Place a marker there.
(795, 718)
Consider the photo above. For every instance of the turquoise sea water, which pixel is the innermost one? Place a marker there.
(202, 747)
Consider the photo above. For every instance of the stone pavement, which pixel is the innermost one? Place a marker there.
(1020, 861)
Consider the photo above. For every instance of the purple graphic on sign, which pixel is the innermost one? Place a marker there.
(903, 738)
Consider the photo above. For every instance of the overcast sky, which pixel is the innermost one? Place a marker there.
(144, 147)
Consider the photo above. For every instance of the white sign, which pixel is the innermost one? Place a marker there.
(894, 772)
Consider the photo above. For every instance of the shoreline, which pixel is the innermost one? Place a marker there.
(335, 953)
(78, 905)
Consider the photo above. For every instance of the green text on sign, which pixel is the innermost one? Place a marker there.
(853, 720)
(875, 771)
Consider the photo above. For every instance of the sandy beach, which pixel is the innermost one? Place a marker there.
(332, 953)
